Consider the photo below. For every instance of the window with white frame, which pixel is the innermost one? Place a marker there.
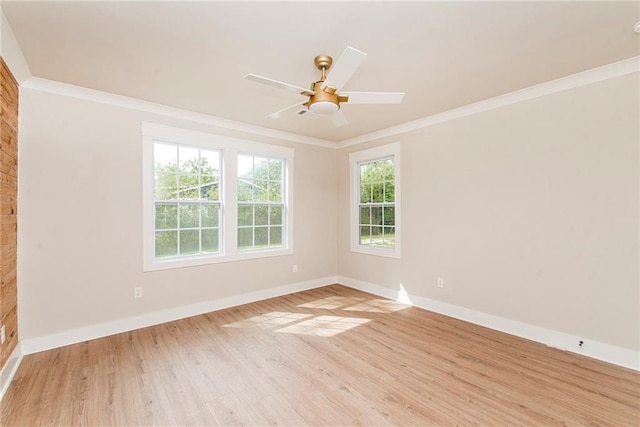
(375, 201)
(260, 202)
(209, 198)
(186, 199)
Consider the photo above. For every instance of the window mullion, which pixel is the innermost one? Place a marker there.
(230, 201)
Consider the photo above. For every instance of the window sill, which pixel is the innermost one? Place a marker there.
(382, 252)
(167, 264)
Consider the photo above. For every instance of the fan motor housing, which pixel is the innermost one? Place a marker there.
(323, 95)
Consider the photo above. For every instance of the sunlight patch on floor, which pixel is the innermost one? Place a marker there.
(321, 326)
(378, 306)
(324, 326)
(332, 303)
(356, 304)
(269, 320)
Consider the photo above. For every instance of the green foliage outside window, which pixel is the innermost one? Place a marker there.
(260, 202)
(187, 195)
(377, 203)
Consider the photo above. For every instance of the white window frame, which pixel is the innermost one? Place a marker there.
(267, 203)
(230, 148)
(355, 159)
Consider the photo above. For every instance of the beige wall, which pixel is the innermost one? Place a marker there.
(80, 226)
(529, 212)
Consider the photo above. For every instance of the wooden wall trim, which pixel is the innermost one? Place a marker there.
(8, 211)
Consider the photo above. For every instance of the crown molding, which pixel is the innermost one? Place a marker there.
(58, 88)
(610, 71)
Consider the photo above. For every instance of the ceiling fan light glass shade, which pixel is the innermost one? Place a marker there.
(324, 107)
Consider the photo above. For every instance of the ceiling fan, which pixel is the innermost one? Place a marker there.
(325, 95)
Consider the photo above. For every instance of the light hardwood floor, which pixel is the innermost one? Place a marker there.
(329, 356)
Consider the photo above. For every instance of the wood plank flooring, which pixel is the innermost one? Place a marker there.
(329, 356)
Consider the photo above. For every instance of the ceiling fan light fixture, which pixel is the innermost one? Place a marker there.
(324, 107)
(325, 95)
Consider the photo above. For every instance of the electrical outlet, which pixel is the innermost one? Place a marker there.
(295, 268)
(440, 282)
(137, 292)
(3, 334)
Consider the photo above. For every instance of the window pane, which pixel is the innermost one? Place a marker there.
(389, 215)
(365, 235)
(390, 232)
(209, 215)
(189, 160)
(365, 193)
(166, 186)
(210, 191)
(276, 236)
(388, 170)
(189, 242)
(381, 169)
(210, 162)
(262, 215)
(210, 240)
(275, 169)
(245, 166)
(389, 192)
(245, 238)
(376, 215)
(245, 190)
(166, 243)
(389, 236)
(166, 216)
(275, 192)
(245, 215)
(189, 216)
(260, 191)
(377, 192)
(189, 187)
(262, 237)
(165, 157)
(365, 215)
(260, 168)
(376, 236)
(275, 215)
(365, 173)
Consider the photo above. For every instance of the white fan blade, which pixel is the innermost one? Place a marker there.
(344, 68)
(374, 97)
(339, 118)
(281, 85)
(289, 110)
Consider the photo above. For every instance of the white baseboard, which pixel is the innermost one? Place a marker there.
(9, 369)
(73, 336)
(598, 350)
(595, 349)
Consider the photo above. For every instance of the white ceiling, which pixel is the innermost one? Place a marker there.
(193, 55)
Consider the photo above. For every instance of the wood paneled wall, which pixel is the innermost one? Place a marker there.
(8, 210)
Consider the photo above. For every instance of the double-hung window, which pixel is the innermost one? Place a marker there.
(375, 201)
(186, 200)
(209, 198)
(260, 202)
